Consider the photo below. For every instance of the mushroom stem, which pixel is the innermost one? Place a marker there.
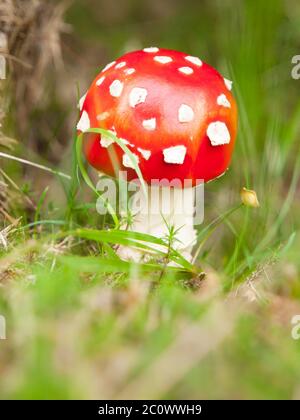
(162, 209)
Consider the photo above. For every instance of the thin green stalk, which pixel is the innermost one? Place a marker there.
(35, 165)
(206, 232)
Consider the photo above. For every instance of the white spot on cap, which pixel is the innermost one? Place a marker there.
(194, 60)
(108, 66)
(163, 59)
(100, 81)
(137, 96)
(129, 71)
(175, 154)
(186, 70)
(228, 83)
(103, 116)
(150, 124)
(218, 133)
(185, 113)
(223, 101)
(84, 122)
(116, 88)
(121, 65)
(81, 102)
(126, 142)
(151, 50)
(127, 162)
(106, 141)
(145, 153)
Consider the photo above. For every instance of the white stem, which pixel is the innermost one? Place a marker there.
(162, 208)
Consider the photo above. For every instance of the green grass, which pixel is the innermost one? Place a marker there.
(81, 323)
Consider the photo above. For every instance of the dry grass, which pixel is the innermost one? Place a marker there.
(33, 29)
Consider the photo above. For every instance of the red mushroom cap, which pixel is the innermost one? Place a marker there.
(175, 113)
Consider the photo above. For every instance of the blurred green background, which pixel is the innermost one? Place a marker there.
(80, 324)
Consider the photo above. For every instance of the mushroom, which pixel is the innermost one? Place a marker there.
(178, 117)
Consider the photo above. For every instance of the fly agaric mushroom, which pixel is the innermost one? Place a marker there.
(177, 116)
